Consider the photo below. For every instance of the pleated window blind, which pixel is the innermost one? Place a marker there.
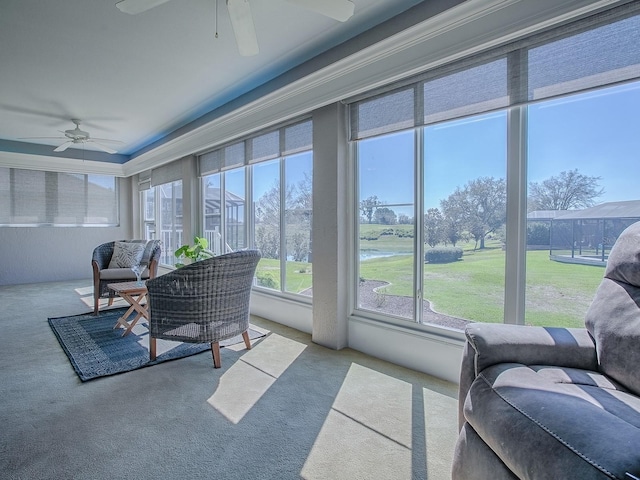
(594, 52)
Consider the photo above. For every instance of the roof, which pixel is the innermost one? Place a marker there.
(627, 209)
(544, 214)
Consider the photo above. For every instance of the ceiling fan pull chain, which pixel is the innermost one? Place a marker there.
(216, 20)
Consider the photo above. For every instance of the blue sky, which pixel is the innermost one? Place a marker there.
(597, 132)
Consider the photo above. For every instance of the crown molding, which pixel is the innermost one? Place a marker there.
(59, 164)
(468, 28)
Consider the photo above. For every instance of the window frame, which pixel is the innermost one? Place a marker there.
(516, 55)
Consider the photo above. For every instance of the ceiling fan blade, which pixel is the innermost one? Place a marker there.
(341, 10)
(102, 147)
(243, 27)
(133, 7)
(41, 138)
(63, 147)
(108, 140)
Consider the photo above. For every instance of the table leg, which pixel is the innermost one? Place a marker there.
(135, 306)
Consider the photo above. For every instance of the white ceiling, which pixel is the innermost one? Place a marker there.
(138, 78)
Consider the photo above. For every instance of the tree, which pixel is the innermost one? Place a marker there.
(385, 216)
(298, 220)
(487, 199)
(267, 221)
(452, 210)
(368, 206)
(570, 189)
(479, 208)
(434, 225)
(404, 219)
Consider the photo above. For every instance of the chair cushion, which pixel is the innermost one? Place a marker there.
(545, 421)
(126, 254)
(613, 319)
(123, 274)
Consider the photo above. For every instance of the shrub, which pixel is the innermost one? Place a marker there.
(404, 233)
(538, 234)
(370, 236)
(443, 254)
(265, 279)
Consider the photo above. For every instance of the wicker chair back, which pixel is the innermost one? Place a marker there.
(207, 301)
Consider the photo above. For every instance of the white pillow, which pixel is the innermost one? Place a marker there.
(126, 255)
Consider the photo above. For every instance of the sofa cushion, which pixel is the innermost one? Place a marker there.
(544, 421)
(613, 319)
(126, 254)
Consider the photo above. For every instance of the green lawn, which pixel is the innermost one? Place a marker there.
(298, 275)
(557, 294)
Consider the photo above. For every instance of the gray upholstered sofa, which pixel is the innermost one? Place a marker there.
(557, 403)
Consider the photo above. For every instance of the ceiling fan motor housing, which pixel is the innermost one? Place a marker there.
(76, 134)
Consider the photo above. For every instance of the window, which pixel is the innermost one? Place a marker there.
(235, 210)
(387, 224)
(162, 209)
(36, 198)
(298, 214)
(441, 160)
(257, 192)
(464, 212)
(583, 192)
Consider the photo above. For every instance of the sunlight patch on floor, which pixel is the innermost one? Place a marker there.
(82, 291)
(441, 427)
(247, 380)
(368, 431)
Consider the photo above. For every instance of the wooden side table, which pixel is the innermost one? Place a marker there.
(134, 294)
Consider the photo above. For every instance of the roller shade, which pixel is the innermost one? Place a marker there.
(593, 52)
(286, 140)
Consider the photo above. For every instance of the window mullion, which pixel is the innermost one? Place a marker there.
(418, 234)
(516, 225)
(224, 241)
(283, 238)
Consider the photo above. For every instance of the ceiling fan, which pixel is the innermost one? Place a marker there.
(75, 136)
(242, 19)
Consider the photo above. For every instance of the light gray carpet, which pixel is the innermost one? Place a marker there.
(286, 409)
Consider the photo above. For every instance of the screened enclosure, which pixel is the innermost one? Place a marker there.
(586, 236)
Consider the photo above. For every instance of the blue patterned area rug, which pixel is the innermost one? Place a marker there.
(95, 349)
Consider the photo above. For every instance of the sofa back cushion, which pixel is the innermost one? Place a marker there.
(613, 319)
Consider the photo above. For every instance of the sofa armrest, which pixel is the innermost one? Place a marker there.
(489, 344)
(502, 343)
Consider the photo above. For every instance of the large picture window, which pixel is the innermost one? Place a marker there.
(39, 198)
(442, 161)
(257, 193)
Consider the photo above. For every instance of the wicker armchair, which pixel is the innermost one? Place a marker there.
(204, 302)
(103, 275)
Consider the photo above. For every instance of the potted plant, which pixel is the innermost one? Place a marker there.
(196, 252)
